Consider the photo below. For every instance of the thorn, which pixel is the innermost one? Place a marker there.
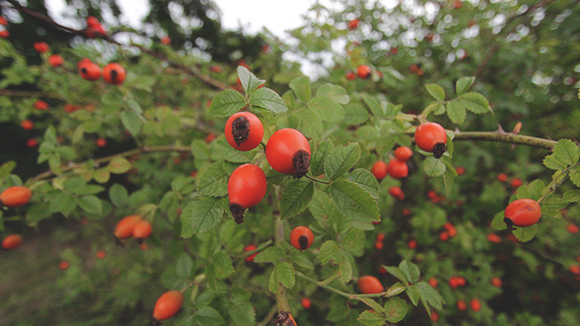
(500, 130)
(517, 128)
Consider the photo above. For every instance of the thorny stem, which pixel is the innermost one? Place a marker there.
(557, 182)
(505, 137)
(281, 296)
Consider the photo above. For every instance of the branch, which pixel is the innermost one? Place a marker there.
(8, 92)
(505, 137)
(193, 71)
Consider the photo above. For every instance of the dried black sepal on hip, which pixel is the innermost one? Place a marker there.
(238, 212)
(439, 149)
(301, 162)
(114, 75)
(240, 129)
(303, 242)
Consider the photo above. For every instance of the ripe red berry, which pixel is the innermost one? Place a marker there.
(63, 265)
(434, 316)
(142, 230)
(502, 177)
(32, 142)
(575, 269)
(27, 124)
(124, 228)
(3, 21)
(12, 241)
(398, 169)
(246, 188)
(288, 152)
(306, 303)
(379, 245)
(405, 211)
(496, 281)
(209, 138)
(450, 229)
(460, 170)
(101, 142)
(215, 68)
(101, 254)
(572, 228)
(15, 196)
(353, 24)
(55, 60)
(167, 305)
(93, 21)
(461, 305)
(363, 71)
(89, 70)
(41, 105)
(114, 73)
(166, 40)
(457, 4)
(433, 282)
(244, 131)
(516, 182)
(382, 270)
(475, 305)
(380, 237)
(397, 192)
(492, 237)
(522, 213)
(370, 285)
(431, 137)
(301, 237)
(41, 47)
(412, 244)
(4, 33)
(444, 236)
(250, 247)
(403, 153)
(350, 75)
(380, 170)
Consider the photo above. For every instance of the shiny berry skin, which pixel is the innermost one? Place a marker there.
(41, 47)
(15, 196)
(89, 70)
(412, 244)
(55, 60)
(502, 177)
(433, 282)
(380, 170)
(460, 170)
(403, 153)
(32, 142)
(101, 254)
(306, 303)
(27, 124)
(244, 131)
(475, 305)
(350, 75)
(492, 237)
(250, 248)
(397, 193)
(142, 230)
(167, 305)
(288, 152)
(4, 33)
(353, 24)
(114, 74)
(398, 169)
(41, 105)
(431, 137)
(124, 228)
(246, 188)
(301, 237)
(101, 142)
(522, 212)
(363, 71)
(496, 281)
(12, 241)
(572, 228)
(370, 285)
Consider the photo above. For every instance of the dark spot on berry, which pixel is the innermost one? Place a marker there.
(240, 130)
(114, 75)
(303, 242)
(301, 162)
(238, 212)
(439, 149)
(83, 70)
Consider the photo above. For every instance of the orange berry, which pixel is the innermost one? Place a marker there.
(12, 241)
(502, 177)
(15, 196)
(101, 142)
(142, 230)
(167, 305)
(250, 247)
(496, 281)
(433, 282)
(306, 303)
(370, 285)
(27, 124)
(114, 73)
(434, 316)
(125, 227)
(63, 265)
(101, 254)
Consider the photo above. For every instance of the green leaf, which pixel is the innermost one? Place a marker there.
(268, 99)
(475, 102)
(398, 273)
(572, 196)
(184, 266)
(355, 114)
(371, 318)
(575, 175)
(301, 87)
(226, 103)
(119, 165)
(241, 312)
(456, 111)
(533, 191)
(327, 109)
(330, 252)
(296, 197)
(302, 261)
(355, 203)
(102, 175)
(497, 223)
(374, 106)
(319, 156)
(249, 81)
(212, 180)
(308, 122)
(434, 167)
(436, 91)
(200, 216)
(63, 203)
(208, 316)
(341, 159)
(566, 152)
(270, 255)
(366, 180)
(223, 265)
(525, 234)
(118, 195)
(345, 271)
(322, 207)
(7, 167)
(430, 295)
(90, 204)
(463, 84)
(354, 242)
(396, 309)
(221, 150)
(289, 99)
(410, 270)
(334, 92)
(285, 274)
(131, 122)
(552, 206)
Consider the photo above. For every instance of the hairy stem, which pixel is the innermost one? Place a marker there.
(281, 295)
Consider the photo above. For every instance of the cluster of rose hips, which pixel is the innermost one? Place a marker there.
(14, 197)
(113, 73)
(94, 28)
(133, 226)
